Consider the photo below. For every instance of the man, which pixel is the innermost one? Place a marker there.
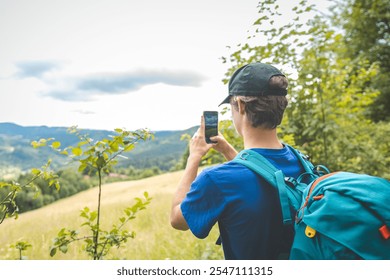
(245, 206)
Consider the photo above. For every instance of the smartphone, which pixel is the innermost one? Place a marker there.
(211, 125)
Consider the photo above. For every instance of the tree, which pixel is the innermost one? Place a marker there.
(329, 91)
(366, 25)
(99, 156)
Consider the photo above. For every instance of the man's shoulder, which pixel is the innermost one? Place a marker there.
(226, 172)
(224, 167)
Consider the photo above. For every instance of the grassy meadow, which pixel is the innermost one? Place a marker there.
(155, 238)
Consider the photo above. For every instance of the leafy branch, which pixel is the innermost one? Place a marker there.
(106, 239)
(99, 157)
(8, 205)
(21, 246)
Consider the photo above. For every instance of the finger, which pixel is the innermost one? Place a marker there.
(220, 135)
(201, 128)
(215, 138)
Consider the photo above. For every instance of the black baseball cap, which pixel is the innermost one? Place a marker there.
(253, 80)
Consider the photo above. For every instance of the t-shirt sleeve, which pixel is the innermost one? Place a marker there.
(202, 206)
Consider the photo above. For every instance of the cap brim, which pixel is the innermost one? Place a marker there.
(225, 101)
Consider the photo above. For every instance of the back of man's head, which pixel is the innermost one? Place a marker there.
(263, 89)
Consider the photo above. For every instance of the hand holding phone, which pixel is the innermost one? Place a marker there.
(211, 125)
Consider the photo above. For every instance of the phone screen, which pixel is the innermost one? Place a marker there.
(211, 125)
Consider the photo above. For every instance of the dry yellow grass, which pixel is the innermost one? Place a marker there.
(155, 239)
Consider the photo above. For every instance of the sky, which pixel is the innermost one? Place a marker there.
(106, 64)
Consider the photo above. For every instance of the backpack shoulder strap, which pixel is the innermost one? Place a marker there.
(271, 174)
(312, 172)
(259, 164)
(303, 159)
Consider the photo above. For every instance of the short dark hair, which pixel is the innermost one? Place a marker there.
(265, 111)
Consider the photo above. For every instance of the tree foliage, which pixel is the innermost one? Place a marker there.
(366, 25)
(331, 92)
(9, 191)
(99, 157)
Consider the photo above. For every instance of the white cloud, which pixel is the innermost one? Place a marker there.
(89, 87)
(35, 68)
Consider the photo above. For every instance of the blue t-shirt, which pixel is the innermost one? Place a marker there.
(245, 206)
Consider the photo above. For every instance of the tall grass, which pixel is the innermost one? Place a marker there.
(155, 239)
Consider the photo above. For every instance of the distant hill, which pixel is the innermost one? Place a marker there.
(16, 150)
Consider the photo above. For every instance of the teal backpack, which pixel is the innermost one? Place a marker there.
(337, 215)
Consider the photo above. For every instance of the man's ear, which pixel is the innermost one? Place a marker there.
(241, 106)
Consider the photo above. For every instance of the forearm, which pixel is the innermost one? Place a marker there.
(189, 176)
(190, 173)
(224, 147)
(229, 152)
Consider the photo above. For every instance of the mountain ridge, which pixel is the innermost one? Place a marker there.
(16, 150)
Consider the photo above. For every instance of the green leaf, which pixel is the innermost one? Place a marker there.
(82, 143)
(36, 171)
(56, 145)
(93, 216)
(84, 213)
(100, 162)
(114, 146)
(62, 232)
(53, 251)
(64, 249)
(259, 21)
(82, 167)
(77, 151)
(4, 184)
(129, 148)
(35, 144)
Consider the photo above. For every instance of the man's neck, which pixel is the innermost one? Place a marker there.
(261, 138)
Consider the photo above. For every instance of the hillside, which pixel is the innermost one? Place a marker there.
(155, 238)
(17, 153)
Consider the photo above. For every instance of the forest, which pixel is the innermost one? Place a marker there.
(338, 65)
